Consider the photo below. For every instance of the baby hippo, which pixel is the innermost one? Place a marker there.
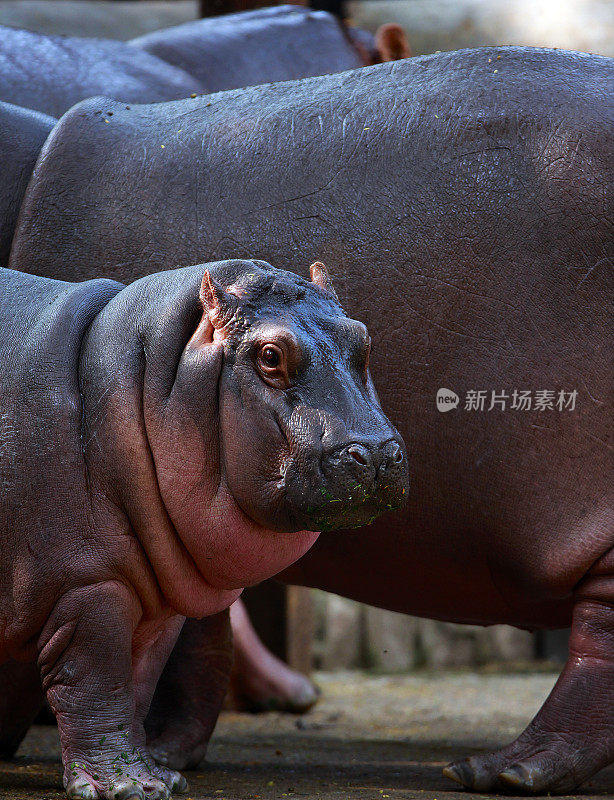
(162, 446)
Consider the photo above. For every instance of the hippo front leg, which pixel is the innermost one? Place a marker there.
(572, 736)
(190, 693)
(85, 659)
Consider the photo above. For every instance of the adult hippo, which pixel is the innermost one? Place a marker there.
(22, 134)
(52, 73)
(270, 44)
(162, 446)
(465, 200)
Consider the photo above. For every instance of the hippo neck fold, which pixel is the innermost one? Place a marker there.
(128, 366)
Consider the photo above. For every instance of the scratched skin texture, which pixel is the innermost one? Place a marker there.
(465, 201)
(52, 73)
(151, 466)
(22, 134)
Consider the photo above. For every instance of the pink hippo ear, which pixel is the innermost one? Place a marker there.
(219, 307)
(391, 43)
(219, 304)
(319, 276)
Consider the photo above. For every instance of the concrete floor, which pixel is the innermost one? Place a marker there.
(369, 738)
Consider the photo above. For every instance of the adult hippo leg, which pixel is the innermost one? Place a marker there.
(190, 693)
(260, 681)
(20, 701)
(572, 736)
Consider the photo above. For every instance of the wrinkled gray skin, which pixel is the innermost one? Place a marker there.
(52, 73)
(151, 464)
(268, 44)
(465, 201)
(22, 134)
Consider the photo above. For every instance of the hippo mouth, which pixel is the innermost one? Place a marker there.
(348, 486)
(355, 510)
(329, 503)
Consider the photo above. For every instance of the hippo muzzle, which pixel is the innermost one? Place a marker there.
(347, 481)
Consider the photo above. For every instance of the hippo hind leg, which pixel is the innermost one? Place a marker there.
(572, 736)
(190, 693)
(259, 680)
(21, 698)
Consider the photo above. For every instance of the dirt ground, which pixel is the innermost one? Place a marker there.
(369, 737)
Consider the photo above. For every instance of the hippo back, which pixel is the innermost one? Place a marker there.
(344, 166)
(252, 47)
(52, 73)
(22, 134)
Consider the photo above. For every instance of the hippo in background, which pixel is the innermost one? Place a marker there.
(465, 200)
(270, 44)
(49, 74)
(163, 446)
(52, 73)
(22, 135)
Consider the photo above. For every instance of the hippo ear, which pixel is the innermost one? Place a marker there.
(391, 43)
(219, 304)
(319, 276)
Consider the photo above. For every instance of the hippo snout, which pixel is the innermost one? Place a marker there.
(360, 480)
(364, 463)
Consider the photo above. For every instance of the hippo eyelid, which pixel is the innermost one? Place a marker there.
(359, 347)
(287, 342)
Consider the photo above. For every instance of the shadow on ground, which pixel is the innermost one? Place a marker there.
(369, 737)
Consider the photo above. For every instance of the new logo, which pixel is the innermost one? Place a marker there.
(447, 400)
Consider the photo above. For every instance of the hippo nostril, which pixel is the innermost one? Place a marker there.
(358, 454)
(397, 454)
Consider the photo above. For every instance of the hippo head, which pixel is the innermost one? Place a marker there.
(304, 441)
(239, 421)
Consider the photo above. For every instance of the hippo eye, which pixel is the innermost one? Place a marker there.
(271, 363)
(271, 356)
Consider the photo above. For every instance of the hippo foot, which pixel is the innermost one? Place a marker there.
(572, 736)
(180, 749)
(549, 766)
(555, 754)
(272, 686)
(260, 681)
(131, 775)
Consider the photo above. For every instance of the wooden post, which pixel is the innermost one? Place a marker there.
(299, 628)
(284, 620)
